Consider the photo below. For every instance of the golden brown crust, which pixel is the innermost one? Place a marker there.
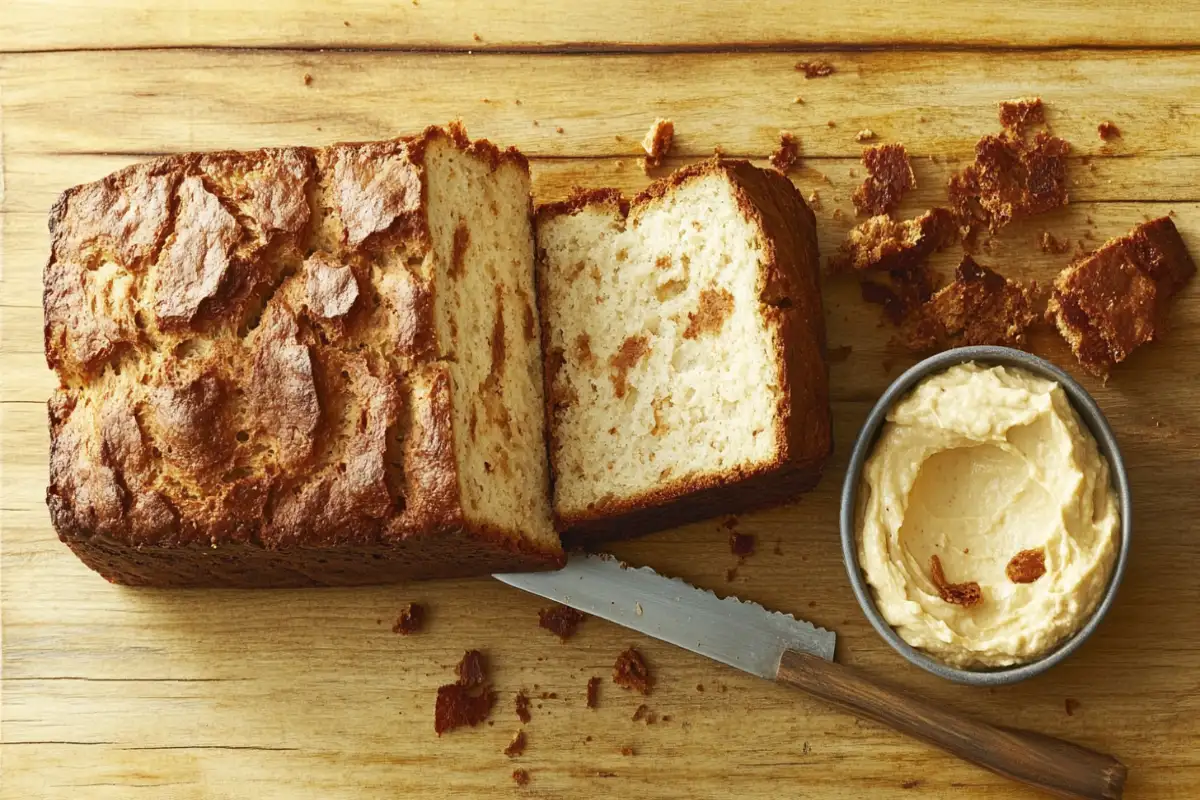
(1117, 298)
(882, 244)
(1026, 566)
(889, 177)
(657, 143)
(979, 307)
(580, 199)
(787, 155)
(1010, 178)
(967, 595)
(227, 414)
(1022, 114)
(791, 297)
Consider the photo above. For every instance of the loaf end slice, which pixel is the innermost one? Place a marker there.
(684, 341)
(297, 366)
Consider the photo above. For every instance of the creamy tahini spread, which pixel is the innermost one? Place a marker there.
(987, 522)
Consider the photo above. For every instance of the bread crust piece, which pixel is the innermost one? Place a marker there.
(1116, 298)
(979, 307)
(791, 296)
(216, 345)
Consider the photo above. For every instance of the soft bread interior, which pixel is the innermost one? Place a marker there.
(485, 315)
(669, 375)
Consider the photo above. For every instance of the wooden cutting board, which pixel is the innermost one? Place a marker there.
(115, 693)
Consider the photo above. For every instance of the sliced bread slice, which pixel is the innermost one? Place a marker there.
(684, 342)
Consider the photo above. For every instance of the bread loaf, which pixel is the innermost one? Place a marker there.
(300, 366)
(684, 347)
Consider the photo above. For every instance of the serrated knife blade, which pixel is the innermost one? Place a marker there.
(735, 632)
(796, 653)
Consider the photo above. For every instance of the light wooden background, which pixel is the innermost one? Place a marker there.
(112, 693)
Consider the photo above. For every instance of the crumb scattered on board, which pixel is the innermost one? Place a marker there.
(787, 155)
(1071, 705)
(467, 701)
(562, 621)
(865, 135)
(979, 307)
(1022, 114)
(630, 672)
(522, 706)
(517, 746)
(521, 776)
(1108, 131)
(593, 691)
(657, 143)
(889, 177)
(410, 620)
(815, 69)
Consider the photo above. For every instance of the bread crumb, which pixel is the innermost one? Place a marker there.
(630, 672)
(1108, 131)
(466, 702)
(593, 690)
(979, 307)
(522, 704)
(911, 784)
(517, 101)
(814, 200)
(517, 746)
(831, 124)
(558, 129)
(535, 123)
(521, 776)
(889, 177)
(815, 69)
(966, 595)
(640, 712)
(1022, 114)
(637, 608)
(798, 100)
(865, 135)
(627, 751)
(1010, 178)
(699, 687)
(657, 143)
(307, 79)
(346, 23)
(1026, 566)
(562, 621)
(477, 37)
(1071, 705)
(410, 620)
(787, 155)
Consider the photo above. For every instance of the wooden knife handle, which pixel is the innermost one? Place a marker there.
(1049, 764)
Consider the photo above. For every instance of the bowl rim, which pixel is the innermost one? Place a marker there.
(1088, 410)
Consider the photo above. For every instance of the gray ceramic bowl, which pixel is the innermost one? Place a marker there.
(1091, 415)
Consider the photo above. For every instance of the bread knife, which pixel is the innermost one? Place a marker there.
(790, 651)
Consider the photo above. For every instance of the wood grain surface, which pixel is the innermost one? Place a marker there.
(113, 693)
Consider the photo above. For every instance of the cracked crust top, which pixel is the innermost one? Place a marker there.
(234, 366)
